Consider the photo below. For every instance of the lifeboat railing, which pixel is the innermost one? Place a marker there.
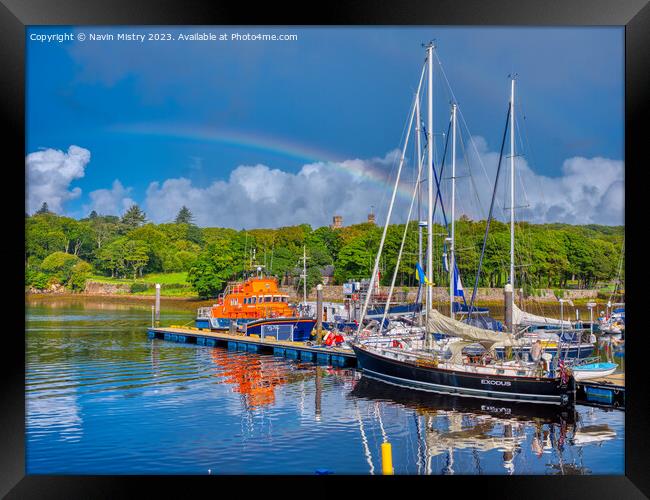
(203, 312)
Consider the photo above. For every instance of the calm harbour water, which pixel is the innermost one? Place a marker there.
(102, 398)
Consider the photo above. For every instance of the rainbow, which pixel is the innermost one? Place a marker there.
(269, 144)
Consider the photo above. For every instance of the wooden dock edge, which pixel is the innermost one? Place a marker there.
(334, 356)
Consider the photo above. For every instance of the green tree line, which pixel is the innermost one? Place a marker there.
(64, 250)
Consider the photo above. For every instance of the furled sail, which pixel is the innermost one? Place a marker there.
(439, 323)
(520, 317)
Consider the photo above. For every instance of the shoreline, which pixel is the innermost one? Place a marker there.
(183, 303)
(188, 301)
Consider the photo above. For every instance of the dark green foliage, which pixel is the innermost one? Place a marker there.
(184, 216)
(212, 269)
(134, 217)
(59, 267)
(44, 209)
(36, 279)
(140, 287)
(547, 255)
(80, 272)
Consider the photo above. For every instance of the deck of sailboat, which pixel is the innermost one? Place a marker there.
(422, 357)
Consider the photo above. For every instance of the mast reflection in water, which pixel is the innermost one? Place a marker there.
(102, 398)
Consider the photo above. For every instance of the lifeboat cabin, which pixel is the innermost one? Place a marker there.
(259, 308)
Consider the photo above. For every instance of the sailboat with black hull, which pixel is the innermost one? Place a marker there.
(421, 367)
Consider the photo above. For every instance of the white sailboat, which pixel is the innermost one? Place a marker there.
(424, 368)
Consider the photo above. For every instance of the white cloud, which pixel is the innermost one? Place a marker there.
(49, 175)
(114, 201)
(590, 190)
(259, 196)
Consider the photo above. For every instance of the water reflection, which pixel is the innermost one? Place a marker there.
(57, 415)
(104, 398)
(253, 377)
(447, 427)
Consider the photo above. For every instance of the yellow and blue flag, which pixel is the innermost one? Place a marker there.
(422, 278)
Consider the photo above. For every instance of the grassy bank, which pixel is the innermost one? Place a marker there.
(173, 285)
(179, 278)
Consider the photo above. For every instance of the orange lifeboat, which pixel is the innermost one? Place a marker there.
(257, 297)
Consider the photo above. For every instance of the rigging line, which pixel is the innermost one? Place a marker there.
(471, 177)
(462, 117)
(385, 190)
(528, 148)
(390, 210)
(381, 423)
(521, 143)
(620, 269)
(487, 225)
(364, 440)
(419, 438)
(437, 181)
(401, 248)
(394, 162)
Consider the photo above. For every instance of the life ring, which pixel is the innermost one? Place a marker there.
(397, 343)
(355, 297)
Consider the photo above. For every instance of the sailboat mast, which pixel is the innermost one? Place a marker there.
(512, 182)
(375, 271)
(452, 250)
(418, 146)
(304, 274)
(430, 179)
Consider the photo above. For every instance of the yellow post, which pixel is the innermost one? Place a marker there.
(387, 459)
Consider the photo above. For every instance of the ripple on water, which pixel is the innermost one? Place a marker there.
(103, 398)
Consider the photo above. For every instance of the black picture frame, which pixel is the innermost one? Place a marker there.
(15, 15)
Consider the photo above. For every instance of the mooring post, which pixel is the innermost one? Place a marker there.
(387, 459)
(591, 306)
(507, 300)
(157, 304)
(319, 313)
(318, 394)
(153, 324)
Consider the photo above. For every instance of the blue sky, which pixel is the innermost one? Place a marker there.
(199, 122)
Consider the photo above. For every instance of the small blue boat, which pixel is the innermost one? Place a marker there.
(593, 370)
